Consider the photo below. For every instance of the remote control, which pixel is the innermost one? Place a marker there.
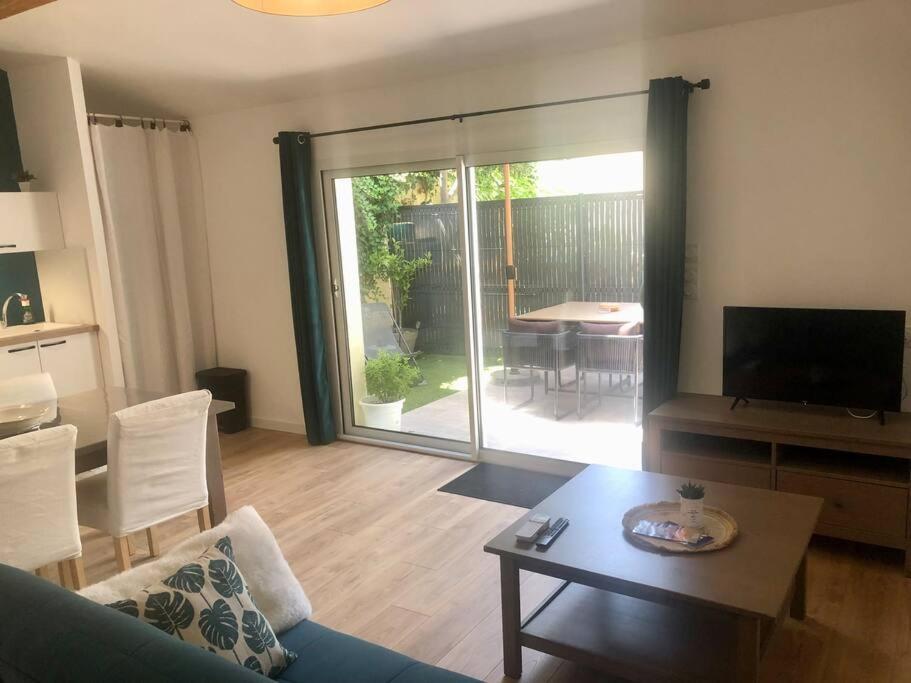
(543, 543)
(533, 528)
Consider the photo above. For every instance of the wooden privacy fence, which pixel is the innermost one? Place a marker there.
(575, 248)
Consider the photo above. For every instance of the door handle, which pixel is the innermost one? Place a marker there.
(56, 343)
(22, 348)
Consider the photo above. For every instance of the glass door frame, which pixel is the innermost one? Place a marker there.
(471, 292)
(471, 161)
(405, 440)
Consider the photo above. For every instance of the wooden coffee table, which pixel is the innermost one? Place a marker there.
(650, 616)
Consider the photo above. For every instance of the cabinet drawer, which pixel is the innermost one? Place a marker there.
(19, 360)
(694, 467)
(72, 362)
(852, 504)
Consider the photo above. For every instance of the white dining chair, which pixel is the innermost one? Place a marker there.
(156, 471)
(38, 503)
(37, 388)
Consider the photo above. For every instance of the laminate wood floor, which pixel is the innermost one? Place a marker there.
(386, 557)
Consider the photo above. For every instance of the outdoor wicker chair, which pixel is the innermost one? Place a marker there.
(612, 349)
(545, 346)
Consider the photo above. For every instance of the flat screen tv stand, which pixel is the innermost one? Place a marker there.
(861, 468)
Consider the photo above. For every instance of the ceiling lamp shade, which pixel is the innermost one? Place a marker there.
(309, 8)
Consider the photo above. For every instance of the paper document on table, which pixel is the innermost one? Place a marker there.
(671, 531)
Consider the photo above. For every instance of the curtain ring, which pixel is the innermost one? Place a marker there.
(301, 138)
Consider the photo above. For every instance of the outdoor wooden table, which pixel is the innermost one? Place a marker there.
(587, 312)
(90, 412)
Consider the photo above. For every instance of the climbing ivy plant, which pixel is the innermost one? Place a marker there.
(381, 257)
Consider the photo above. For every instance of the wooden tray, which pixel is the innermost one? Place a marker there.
(718, 524)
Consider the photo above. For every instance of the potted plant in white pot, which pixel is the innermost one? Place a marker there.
(24, 178)
(692, 499)
(389, 379)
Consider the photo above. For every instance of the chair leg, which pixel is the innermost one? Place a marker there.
(580, 377)
(546, 385)
(505, 384)
(77, 573)
(131, 545)
(556, 392)
(202, 516)
(531, 382)
(122, 553)
(44, 572)
(154, 550)
(64, 574)
(610, 383)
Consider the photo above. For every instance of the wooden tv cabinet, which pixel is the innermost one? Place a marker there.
(861, 468)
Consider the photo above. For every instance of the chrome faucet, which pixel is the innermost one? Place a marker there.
(3, 319)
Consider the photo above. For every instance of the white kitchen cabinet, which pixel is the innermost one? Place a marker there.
(19, 360)
(72, 361)
(29, 221)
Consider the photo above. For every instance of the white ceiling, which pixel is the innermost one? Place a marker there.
(184, 57)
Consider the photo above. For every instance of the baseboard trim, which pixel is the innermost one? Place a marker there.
(278, 425)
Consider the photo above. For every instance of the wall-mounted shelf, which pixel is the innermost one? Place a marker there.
(29, 221)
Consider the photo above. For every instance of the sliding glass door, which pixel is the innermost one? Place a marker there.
(399, 260)
(494, 309)
(560, 253)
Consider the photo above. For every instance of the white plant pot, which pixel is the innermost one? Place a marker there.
(691, 511)
(382, 415)
(26, 186)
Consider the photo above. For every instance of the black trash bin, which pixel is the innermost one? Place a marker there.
(228, 384)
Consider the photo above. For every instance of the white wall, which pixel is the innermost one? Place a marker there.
(49, 104)
(799, 171)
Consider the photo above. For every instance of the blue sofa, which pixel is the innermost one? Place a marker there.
(50, 634)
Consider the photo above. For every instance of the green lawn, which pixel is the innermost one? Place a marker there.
(445, 375)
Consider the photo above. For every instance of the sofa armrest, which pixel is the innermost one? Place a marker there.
(49, 634)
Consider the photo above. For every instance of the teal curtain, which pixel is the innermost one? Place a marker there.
(294, 152)
(10, 159)
(665, 236)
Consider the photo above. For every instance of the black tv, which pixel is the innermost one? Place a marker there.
(851, 359)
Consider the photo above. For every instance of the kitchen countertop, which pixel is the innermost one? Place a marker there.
(22, 334)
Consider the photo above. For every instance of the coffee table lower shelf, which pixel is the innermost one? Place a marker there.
(633, 638)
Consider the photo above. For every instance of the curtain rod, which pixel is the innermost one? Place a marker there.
(704, 84)
(119, 119)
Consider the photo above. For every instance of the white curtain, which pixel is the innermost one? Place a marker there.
(155, 228)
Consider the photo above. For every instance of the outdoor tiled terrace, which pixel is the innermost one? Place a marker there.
(605, 434)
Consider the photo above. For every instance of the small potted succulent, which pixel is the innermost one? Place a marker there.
(389, 379)
(24, 178)
(692, 497)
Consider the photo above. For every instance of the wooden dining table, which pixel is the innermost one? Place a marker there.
(587, 312)
(90, 412)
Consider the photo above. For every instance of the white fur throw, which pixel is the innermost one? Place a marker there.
(277, 592)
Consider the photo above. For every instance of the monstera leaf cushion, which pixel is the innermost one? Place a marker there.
(208, 603)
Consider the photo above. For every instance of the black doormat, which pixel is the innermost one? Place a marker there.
(509, 485)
